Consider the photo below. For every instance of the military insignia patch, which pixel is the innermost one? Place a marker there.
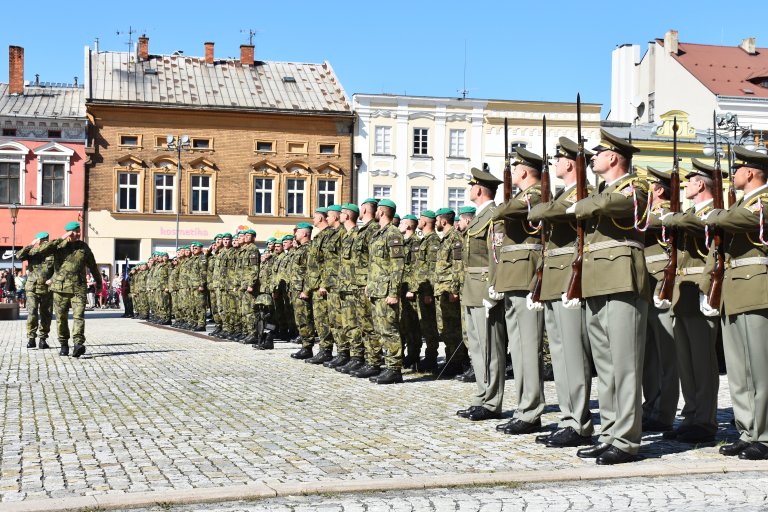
(626, 191)
(498, 239)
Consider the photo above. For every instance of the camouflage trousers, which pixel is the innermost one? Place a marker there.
(221, 307)
(350, 324)
(197, 307)
(334, 316)
(410, 331)
(385, 326)
(140, 303)
(229, 310)
(449, 325)
(361, 343)
(39, 312)
(163, 305)
(247, 312)
(213, 301)
(428, 328)
(302, 310)
(175, 305)
(322, 322)
(61, 305)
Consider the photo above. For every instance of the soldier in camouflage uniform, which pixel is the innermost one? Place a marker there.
(277, 294)
(139, 292)
(410, 331)
(39, 296)
(466, 214)
(198, 269)
(384, 281)
(173, 287)
(150, 287)
(361, 340)
(265, 305)
(249, 267)
(72, 257)
(219, 277)
(350, 329)
(299, 288)
(163, 296)
(212, 284)
(281, 280)
(447, 282)
(425, 292)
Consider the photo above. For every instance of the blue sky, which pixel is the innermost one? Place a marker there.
(534, 50)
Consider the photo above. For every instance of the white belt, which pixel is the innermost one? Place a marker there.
(689, 271)
(655, 258)
(610, 244)
(743, 262)
(521, 247)
(560, 251)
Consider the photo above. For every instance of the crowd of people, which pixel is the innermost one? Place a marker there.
(489, 280)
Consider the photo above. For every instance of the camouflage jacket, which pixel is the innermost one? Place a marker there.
(198, 269)
(448, 268)
(248, 266)
(40, 269)
(347, 276)
(425, 266)
(386, 260)
(331, 247)
(360, 245)
(297, 270)
(317, 257)
(70, 260)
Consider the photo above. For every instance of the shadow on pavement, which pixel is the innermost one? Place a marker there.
(126, 353)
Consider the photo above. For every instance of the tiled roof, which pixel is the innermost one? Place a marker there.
(178, 80)
(54, 101)
(725, 70)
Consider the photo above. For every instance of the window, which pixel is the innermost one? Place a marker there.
(383, 136)
(294, 204)
(202, 143)
(127, 249)
(418, 200)
(262, 196)
(326, 193)
(54, 134)
(201, 193)
(420, 141)
(515, 145)
(265, 146)
(9, 132)
(651, 106)
(382, 191)
(53, 183)
(297, 147)
(128, 192)
(10, 174)
(164, 185)
(328, 149)
(457, 143)
(456, 198)
(161, 141)
(129, 140)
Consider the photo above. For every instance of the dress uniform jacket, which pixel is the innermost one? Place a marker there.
(475, 258)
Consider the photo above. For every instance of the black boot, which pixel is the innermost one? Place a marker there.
(31, 343)
(340, 360)
(367, 371)
(321, 357)
(78, 350)
(43, 344)
(64, 350)
(389, 376)
(304, 353)
(215, 331)
(355, 363)
(427, 364)
(467, 376)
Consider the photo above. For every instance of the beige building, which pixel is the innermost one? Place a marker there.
(419, 151)
(265, 144)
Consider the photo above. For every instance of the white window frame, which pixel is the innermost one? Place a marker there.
(164, 187)
(199, 188)
(330, 197)
(302, 192)
(383, 140)
(53, 153)
(13, 152)
(382, 191)
(64, 180)
(456, 198)
(457, 146)
(423, 140)
(421, 202)
(129, 186)
(272, 191)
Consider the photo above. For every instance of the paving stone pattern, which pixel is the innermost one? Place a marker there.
(148, 409)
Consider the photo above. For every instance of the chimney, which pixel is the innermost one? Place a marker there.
(670, 42)
(748, 45)
(246, 54)
(15, 70)
(209, 53)
(143, 48)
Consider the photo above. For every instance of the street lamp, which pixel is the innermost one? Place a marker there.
(14, 211)
(173, 145)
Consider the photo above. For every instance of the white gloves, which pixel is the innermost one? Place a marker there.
(570, 304)
(488, 304)
(705, 308)
(661, 304)
(571, 210)
(494, 295)
(533, 306)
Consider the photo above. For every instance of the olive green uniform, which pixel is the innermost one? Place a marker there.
(39, 296)
(447, 280)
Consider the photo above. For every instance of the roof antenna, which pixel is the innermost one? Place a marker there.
(251, 33)
(464, 90)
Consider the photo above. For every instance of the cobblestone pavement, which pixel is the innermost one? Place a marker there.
(742, 492)
(151, 409)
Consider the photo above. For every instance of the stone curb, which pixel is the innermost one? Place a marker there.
(258, 491)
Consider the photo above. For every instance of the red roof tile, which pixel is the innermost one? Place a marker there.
(725, 70)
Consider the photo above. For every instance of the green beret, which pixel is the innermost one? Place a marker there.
(196, 244)
(287, 238)
(467, 209)
(304, 225)
(397, 216)
(388, 203)
(444, 211)
(322, 210)
(410, 216)
(249, 232)
(41, 235)
(428, 214)
(371, 200)
(218, 235)
(351, 207)
(271, 239)
(72, 226)
(226, 235)
(334, 208)
(161, 254)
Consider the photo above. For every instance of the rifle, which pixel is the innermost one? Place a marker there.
(716, 282)
(731, 190)
(670, 271)
(507, 166)
(545, 196)
(574, 286)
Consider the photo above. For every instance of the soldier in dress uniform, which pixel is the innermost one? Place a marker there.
(384, 279)
(615, 288)
(410, 331)
(695, 335)
(484, 317)
(661, 384)
(39, 296)
(566, 328)
(516, 253)
(744, 306)
(71, 258)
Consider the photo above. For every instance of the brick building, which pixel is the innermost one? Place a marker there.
(42, 156)
(268, 142)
